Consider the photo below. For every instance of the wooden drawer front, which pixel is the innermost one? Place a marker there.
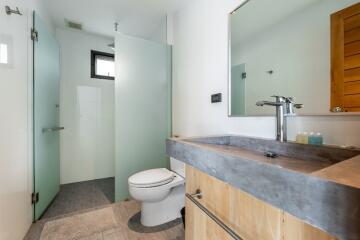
(200, 227)
(253, 218)
(295, 229)
(215, 193)
(249, 217)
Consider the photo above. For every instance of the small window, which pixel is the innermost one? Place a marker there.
(6, 51)
(3, 53)
(102, 65)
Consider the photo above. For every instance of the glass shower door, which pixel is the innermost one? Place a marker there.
(238, 81)
(46, 117)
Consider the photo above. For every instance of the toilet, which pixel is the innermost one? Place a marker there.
(161, 193)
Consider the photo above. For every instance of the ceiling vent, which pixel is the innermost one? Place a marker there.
(73, 25)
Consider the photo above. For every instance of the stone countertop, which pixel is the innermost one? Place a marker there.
(346, 172)
(281, 161)
(320, 185)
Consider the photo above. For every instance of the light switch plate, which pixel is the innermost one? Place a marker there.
(216, 98)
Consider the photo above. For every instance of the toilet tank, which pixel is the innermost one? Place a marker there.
(177, 166)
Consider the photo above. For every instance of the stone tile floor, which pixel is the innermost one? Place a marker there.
(82, 195)
(61, 227)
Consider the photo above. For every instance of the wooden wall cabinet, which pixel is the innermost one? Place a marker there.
(250, 218)
(345, 59)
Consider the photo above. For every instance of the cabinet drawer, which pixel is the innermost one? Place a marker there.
(249, 217)
(295, 229)
(200, 227)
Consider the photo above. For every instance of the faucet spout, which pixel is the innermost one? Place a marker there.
(268, 103)
(284, 107)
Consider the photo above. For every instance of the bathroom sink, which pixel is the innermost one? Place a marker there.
(317, 184)
(293, 156)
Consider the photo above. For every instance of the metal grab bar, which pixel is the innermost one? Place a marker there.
(211, 215)
(54, 129)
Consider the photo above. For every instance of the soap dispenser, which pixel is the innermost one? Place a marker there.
(298, 137)
(305, 138)
(316, 139)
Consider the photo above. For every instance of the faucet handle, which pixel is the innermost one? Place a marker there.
(298, 105)
(290, 99)
(279, 98)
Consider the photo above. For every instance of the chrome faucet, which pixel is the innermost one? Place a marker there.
(284, 108)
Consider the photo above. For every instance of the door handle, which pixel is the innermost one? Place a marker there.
(54, 129)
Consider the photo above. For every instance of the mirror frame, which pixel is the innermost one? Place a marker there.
(335, 114)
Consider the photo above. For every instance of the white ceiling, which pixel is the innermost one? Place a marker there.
(135, 17)
(257, 15)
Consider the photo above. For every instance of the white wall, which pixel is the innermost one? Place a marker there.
(297, 49)
(15, 187)
(16, 182)
(160, 34)
(200, 69)
(40, 8)
(86, 110)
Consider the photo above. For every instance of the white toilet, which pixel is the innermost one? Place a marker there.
(161, 193)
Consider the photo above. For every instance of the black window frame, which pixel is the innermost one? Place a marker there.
(93, 64)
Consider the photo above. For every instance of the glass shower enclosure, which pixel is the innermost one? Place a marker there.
(46, 77)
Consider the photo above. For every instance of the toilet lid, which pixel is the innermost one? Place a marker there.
(151, 178)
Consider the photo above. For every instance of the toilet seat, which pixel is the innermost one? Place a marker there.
(151, 178)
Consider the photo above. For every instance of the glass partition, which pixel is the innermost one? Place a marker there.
(142, 107)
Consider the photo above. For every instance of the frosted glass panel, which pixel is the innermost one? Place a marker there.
(142, 106)
(46, 116)
(238, 77)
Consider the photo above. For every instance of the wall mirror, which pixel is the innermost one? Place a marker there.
(308, 49)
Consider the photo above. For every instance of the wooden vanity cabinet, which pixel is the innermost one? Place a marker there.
(200, 226)
(250, 218)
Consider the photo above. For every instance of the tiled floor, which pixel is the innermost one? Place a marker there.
(83, 195)
(108, 222)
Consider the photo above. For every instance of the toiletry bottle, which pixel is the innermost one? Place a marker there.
(316, 139)
(319, 139)
(298, 137)
(305, 138)
(311, 137)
